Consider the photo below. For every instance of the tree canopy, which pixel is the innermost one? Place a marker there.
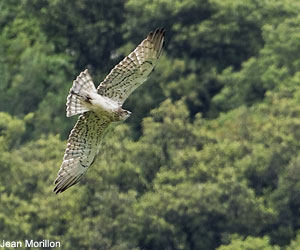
(208, 160)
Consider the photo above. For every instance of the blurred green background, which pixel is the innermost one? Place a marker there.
(209, 158)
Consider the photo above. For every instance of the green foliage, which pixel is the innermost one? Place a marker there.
(11, 131)
(294, 244)
(208, 160)
(274, 67)
(34, 77)
(89, 29)
(250, 243)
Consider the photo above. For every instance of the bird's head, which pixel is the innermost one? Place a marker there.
(124, 114)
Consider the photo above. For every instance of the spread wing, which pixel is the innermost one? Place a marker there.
(82, 148)
(134, 69)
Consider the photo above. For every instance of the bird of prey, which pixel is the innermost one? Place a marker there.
(100, 107)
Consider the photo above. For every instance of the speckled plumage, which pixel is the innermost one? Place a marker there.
(134, 69)
(98, 108)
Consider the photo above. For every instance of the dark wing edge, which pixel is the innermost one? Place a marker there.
(134, 69)
(157, 38)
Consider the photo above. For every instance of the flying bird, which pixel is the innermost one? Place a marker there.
(100, 107)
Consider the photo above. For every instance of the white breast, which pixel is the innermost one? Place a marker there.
(103, 103)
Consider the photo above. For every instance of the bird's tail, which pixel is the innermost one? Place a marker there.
(78, 95)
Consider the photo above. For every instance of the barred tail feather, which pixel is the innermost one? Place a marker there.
(81, 87)
(75, 105)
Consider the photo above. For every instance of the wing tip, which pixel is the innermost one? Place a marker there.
(64, 184)
(157, 38)
(158, 32)
(56, 189)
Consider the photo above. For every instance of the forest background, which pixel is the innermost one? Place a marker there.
(209, 158)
